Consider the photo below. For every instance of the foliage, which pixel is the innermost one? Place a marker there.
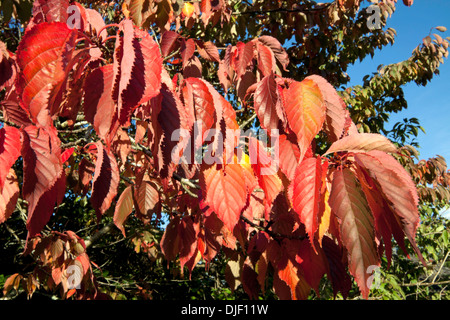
(132, 167)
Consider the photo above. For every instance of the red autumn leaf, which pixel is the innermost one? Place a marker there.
(229, 114)
(246, 86)
(266, 170)
(67, 154)
(10, 146)
(188, 232)
(91, 21)
(124, 207)
(350, 206)
(249, 279)
(203, 104)
(337, 272)
(193, 68)
(408, 2)
(124, 60)
(106, 180)
(207, 50)
(279, 52)
(8, 196)
(85, 172)
(83, 259)
(42, 56)
(305, 112)
(13, 282)
(169, 42)
(362, 142)
(267, 103)
(187, 50)
(266, 59)
(7, 68)
(225, 192)
(147, 197)
(140, 11)
(337, 115)
(12, 111)
(151, 66)
(170, 241)
(170, 118)
(386, 224)
(245, 57)
(305, 195)
(50, 11)
(289, 156)
(285, 269)
(99, 106)
(397, 187)
(44, 179)
(224, 75)
(313, 264)
(205, 7)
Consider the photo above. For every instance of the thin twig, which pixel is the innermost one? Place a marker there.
(248, 121)
(78, 142)
(189, 183)
(75, 130)
(9, 123)
(173, 54)
(326, 5)
(270, 232)
(440, 268)
(13, 233)
(425, 284)
(156, 39)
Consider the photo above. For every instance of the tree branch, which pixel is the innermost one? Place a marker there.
(73, 143)
(304, 10)
(425, 284)
(248, 121)
(270, 232)
(96, 236)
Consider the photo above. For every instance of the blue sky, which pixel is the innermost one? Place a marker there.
(430, 104)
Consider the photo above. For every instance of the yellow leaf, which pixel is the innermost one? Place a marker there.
(125, 10)
(324, 223)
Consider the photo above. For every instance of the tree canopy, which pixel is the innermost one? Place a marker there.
(160, 149)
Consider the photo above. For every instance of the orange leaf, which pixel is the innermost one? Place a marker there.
(305, 194)
(123, 209)
(305, 112)
(42, 56)
(225, 192)
(362, 142)
(337, 116)
(267, 103)
(8, 196)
